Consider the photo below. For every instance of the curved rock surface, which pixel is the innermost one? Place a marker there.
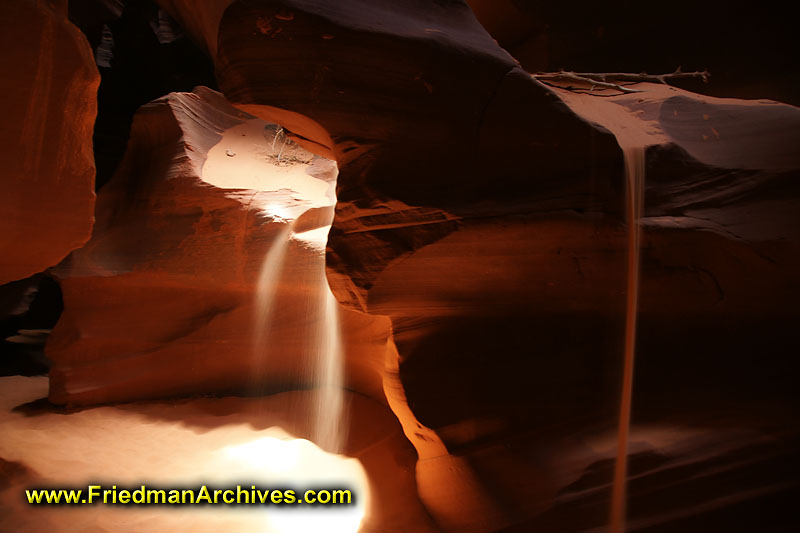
(482, 213)
(485, 219)
(586, 36)
(48, 106)
(184, 228)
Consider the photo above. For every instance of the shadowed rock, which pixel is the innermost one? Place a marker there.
(48, 107)
(481, 212)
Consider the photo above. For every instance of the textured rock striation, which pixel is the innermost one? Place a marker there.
(163, 301)
(181, 236)
(586, 36)
(49, 104)
(482, 212)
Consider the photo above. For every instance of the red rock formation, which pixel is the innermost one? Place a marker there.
(178, 234)
(494, 242)
(48, 107)
(481, 212)
(182, 232)
(746, 47)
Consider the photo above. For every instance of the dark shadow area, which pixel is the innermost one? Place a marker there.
(142, 55)
(689, 492)
(748, 47)
(720, 392)
(29, 309)
(13, 472)
(723, 371)
(555, 373)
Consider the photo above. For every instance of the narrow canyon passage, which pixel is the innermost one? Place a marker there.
(294, 191)
(483, 266)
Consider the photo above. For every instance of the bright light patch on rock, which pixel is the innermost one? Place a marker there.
(257, 156)
(303, 464)
(168, 445)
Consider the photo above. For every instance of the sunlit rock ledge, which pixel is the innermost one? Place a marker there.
(473, 274)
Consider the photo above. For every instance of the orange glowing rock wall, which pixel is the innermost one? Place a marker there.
(49, 89)
(160, 302)
(483, 213)
(478, 251)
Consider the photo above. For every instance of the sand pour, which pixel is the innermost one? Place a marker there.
(328, 375)
(266, 289)
(324, 353)
(290, 182)
(634, 179)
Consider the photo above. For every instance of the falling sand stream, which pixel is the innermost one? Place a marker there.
(266, 289)
(295, 315)
(634, 199)
(323, 353)
(623, 116)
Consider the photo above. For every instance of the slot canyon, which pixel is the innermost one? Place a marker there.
(486, 266)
